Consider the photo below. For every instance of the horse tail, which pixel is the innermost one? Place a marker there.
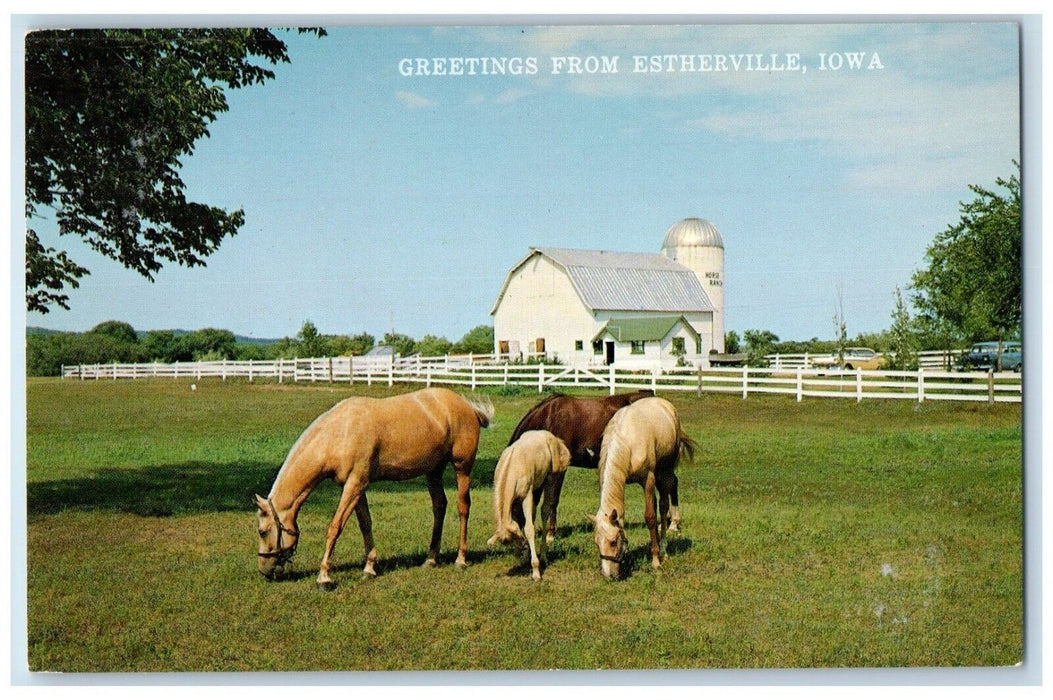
(688, 447)
(483, 408)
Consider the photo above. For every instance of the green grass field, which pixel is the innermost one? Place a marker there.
(817, 534)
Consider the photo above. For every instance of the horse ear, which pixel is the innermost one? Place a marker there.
(614, 517)
(261, 503)
(591, 517)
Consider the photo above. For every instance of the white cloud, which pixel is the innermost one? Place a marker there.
(511, 95)
(414, 101)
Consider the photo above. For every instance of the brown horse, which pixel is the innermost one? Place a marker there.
(579, 423)
(642, 444)
(361, 440)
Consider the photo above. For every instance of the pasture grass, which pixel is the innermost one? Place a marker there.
(820, 534)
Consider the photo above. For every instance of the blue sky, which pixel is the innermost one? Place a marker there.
(378, 201)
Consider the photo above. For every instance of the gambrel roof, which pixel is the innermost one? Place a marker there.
(613, 281)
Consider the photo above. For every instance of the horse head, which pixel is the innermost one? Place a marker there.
(277, 541)
(609, 533)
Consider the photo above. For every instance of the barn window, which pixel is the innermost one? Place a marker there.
(637, 347)
(579, 344)
(678, 347)
(597, 347)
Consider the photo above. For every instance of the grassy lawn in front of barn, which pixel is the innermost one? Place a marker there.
(823, 534)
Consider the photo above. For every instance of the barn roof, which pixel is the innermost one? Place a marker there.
(614, 281)
(626, 330)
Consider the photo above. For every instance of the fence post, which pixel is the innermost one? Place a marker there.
(473, 375)
(506, 374)
(427, 383)
(114, 371)
(223, 369)
(610, 372)
(654, 380)
(540, 377)
(745, 381)
(800, 385)
(700, 380)
(990, 386)
(921, 386)
(859, 386)
(391, 374)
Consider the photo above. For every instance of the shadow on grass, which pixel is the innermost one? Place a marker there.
(193, 487)
(351, 569)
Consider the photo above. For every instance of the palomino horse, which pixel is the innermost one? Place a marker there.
(523, 472)
(579, 423)
(642, 444)
(361, 440)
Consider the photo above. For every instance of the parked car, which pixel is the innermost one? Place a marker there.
(854, 358)
(984, 356)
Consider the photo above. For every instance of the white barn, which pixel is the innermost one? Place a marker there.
(590, 308)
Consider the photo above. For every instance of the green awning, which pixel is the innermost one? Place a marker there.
(627, 330)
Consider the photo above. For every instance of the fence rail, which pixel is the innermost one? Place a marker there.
(479, 371)
(927, 360)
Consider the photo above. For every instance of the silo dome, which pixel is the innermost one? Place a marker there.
(692, 232)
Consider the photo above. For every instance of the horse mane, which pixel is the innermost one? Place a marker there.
(525, 422)
(504, 493)
(484, 409)
(612, 450)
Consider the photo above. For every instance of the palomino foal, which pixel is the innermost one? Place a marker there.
(525, 470)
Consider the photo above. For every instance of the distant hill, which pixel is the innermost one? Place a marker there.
(37, 330)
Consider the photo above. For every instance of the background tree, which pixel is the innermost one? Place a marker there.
(110, 113)
(400, 343)
(973, 283)
(731, 343)
(310, 344)
(433, 346)
(840, 326)
(118, 330)
(479, 340)
(903, 347)
(759, 344)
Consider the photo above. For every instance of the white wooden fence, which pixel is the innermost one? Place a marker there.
(479, 371)
(928, 359)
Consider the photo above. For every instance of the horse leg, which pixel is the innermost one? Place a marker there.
(542, 496)
(438, 510)
(651, 519)
(365, 524)
(548, 511)
(464, 505)
(674, 511)
(528, 531)
(663, 483)
(353, 490)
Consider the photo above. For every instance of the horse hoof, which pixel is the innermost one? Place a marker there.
(326, 585)
(462, 565)
(429, 563)
(368, 575)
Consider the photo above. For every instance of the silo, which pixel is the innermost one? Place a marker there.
(696, 244)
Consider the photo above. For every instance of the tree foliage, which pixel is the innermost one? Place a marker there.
(973, 285)
(758, 344)
(110, 114)
(479, 340)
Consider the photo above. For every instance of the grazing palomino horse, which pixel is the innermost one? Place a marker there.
(579, 423)
(642, 444)
(361, 440)
(523, 472)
